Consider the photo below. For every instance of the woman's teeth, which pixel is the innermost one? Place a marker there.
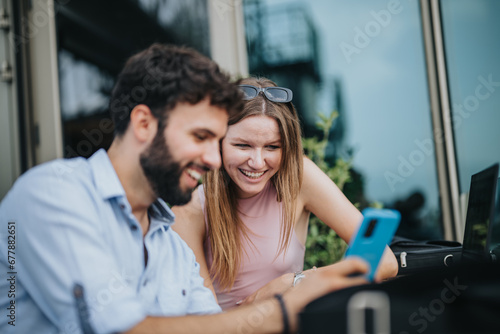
(194, 174)
(252, 175)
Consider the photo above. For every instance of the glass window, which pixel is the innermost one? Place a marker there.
(364, 59)
(471, 32)
(95, 38)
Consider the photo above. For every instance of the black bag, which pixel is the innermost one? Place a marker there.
(460, 299)
(414, 256)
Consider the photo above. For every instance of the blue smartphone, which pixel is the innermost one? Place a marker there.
(374, 233)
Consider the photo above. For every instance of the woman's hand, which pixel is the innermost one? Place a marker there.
(277, 285)
(388, 267)
(343, 274)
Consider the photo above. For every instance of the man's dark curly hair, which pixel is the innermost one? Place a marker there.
(164, 75)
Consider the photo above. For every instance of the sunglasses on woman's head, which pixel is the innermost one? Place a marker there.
(274, 94)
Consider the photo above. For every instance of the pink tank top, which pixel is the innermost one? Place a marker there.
(261, 214)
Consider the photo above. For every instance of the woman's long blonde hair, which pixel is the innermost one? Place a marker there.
(225, 228)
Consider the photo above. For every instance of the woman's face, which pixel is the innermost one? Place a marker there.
(251, 153)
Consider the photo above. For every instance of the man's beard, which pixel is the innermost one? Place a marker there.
(163, 173)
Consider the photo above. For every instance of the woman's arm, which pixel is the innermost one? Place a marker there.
(190, 225)
(321, 196)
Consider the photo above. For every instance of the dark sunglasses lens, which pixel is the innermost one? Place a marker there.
(248, 92)
(277, 95)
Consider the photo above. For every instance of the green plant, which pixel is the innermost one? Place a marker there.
(323, 245)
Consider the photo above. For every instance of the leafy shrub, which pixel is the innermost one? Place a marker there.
(323, 245)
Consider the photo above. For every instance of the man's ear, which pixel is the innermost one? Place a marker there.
(143, 123)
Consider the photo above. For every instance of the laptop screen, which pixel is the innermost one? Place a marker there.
(480, 210)
(495, 228)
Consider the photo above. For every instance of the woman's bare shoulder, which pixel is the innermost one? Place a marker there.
(189, 218)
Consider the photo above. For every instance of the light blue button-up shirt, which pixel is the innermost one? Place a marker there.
(68, 222)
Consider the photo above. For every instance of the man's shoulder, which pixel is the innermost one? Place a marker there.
(74, 170)
(56, 178)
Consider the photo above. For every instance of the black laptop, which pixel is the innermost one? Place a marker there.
(495, 228)
(479, 222)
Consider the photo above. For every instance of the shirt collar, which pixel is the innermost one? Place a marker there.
(160, 211)
(107, 183)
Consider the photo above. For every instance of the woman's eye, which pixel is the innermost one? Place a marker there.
(273, 147)
(200, 137)
(241, 145)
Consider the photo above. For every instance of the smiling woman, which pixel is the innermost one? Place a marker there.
(252, 153)
(247, 224)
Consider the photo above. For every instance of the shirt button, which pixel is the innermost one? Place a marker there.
(122, 206)
(145, 282)
(133, 227)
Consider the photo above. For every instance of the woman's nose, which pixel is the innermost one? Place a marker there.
(256, 161)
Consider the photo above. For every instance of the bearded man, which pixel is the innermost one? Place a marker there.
(94, 248)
